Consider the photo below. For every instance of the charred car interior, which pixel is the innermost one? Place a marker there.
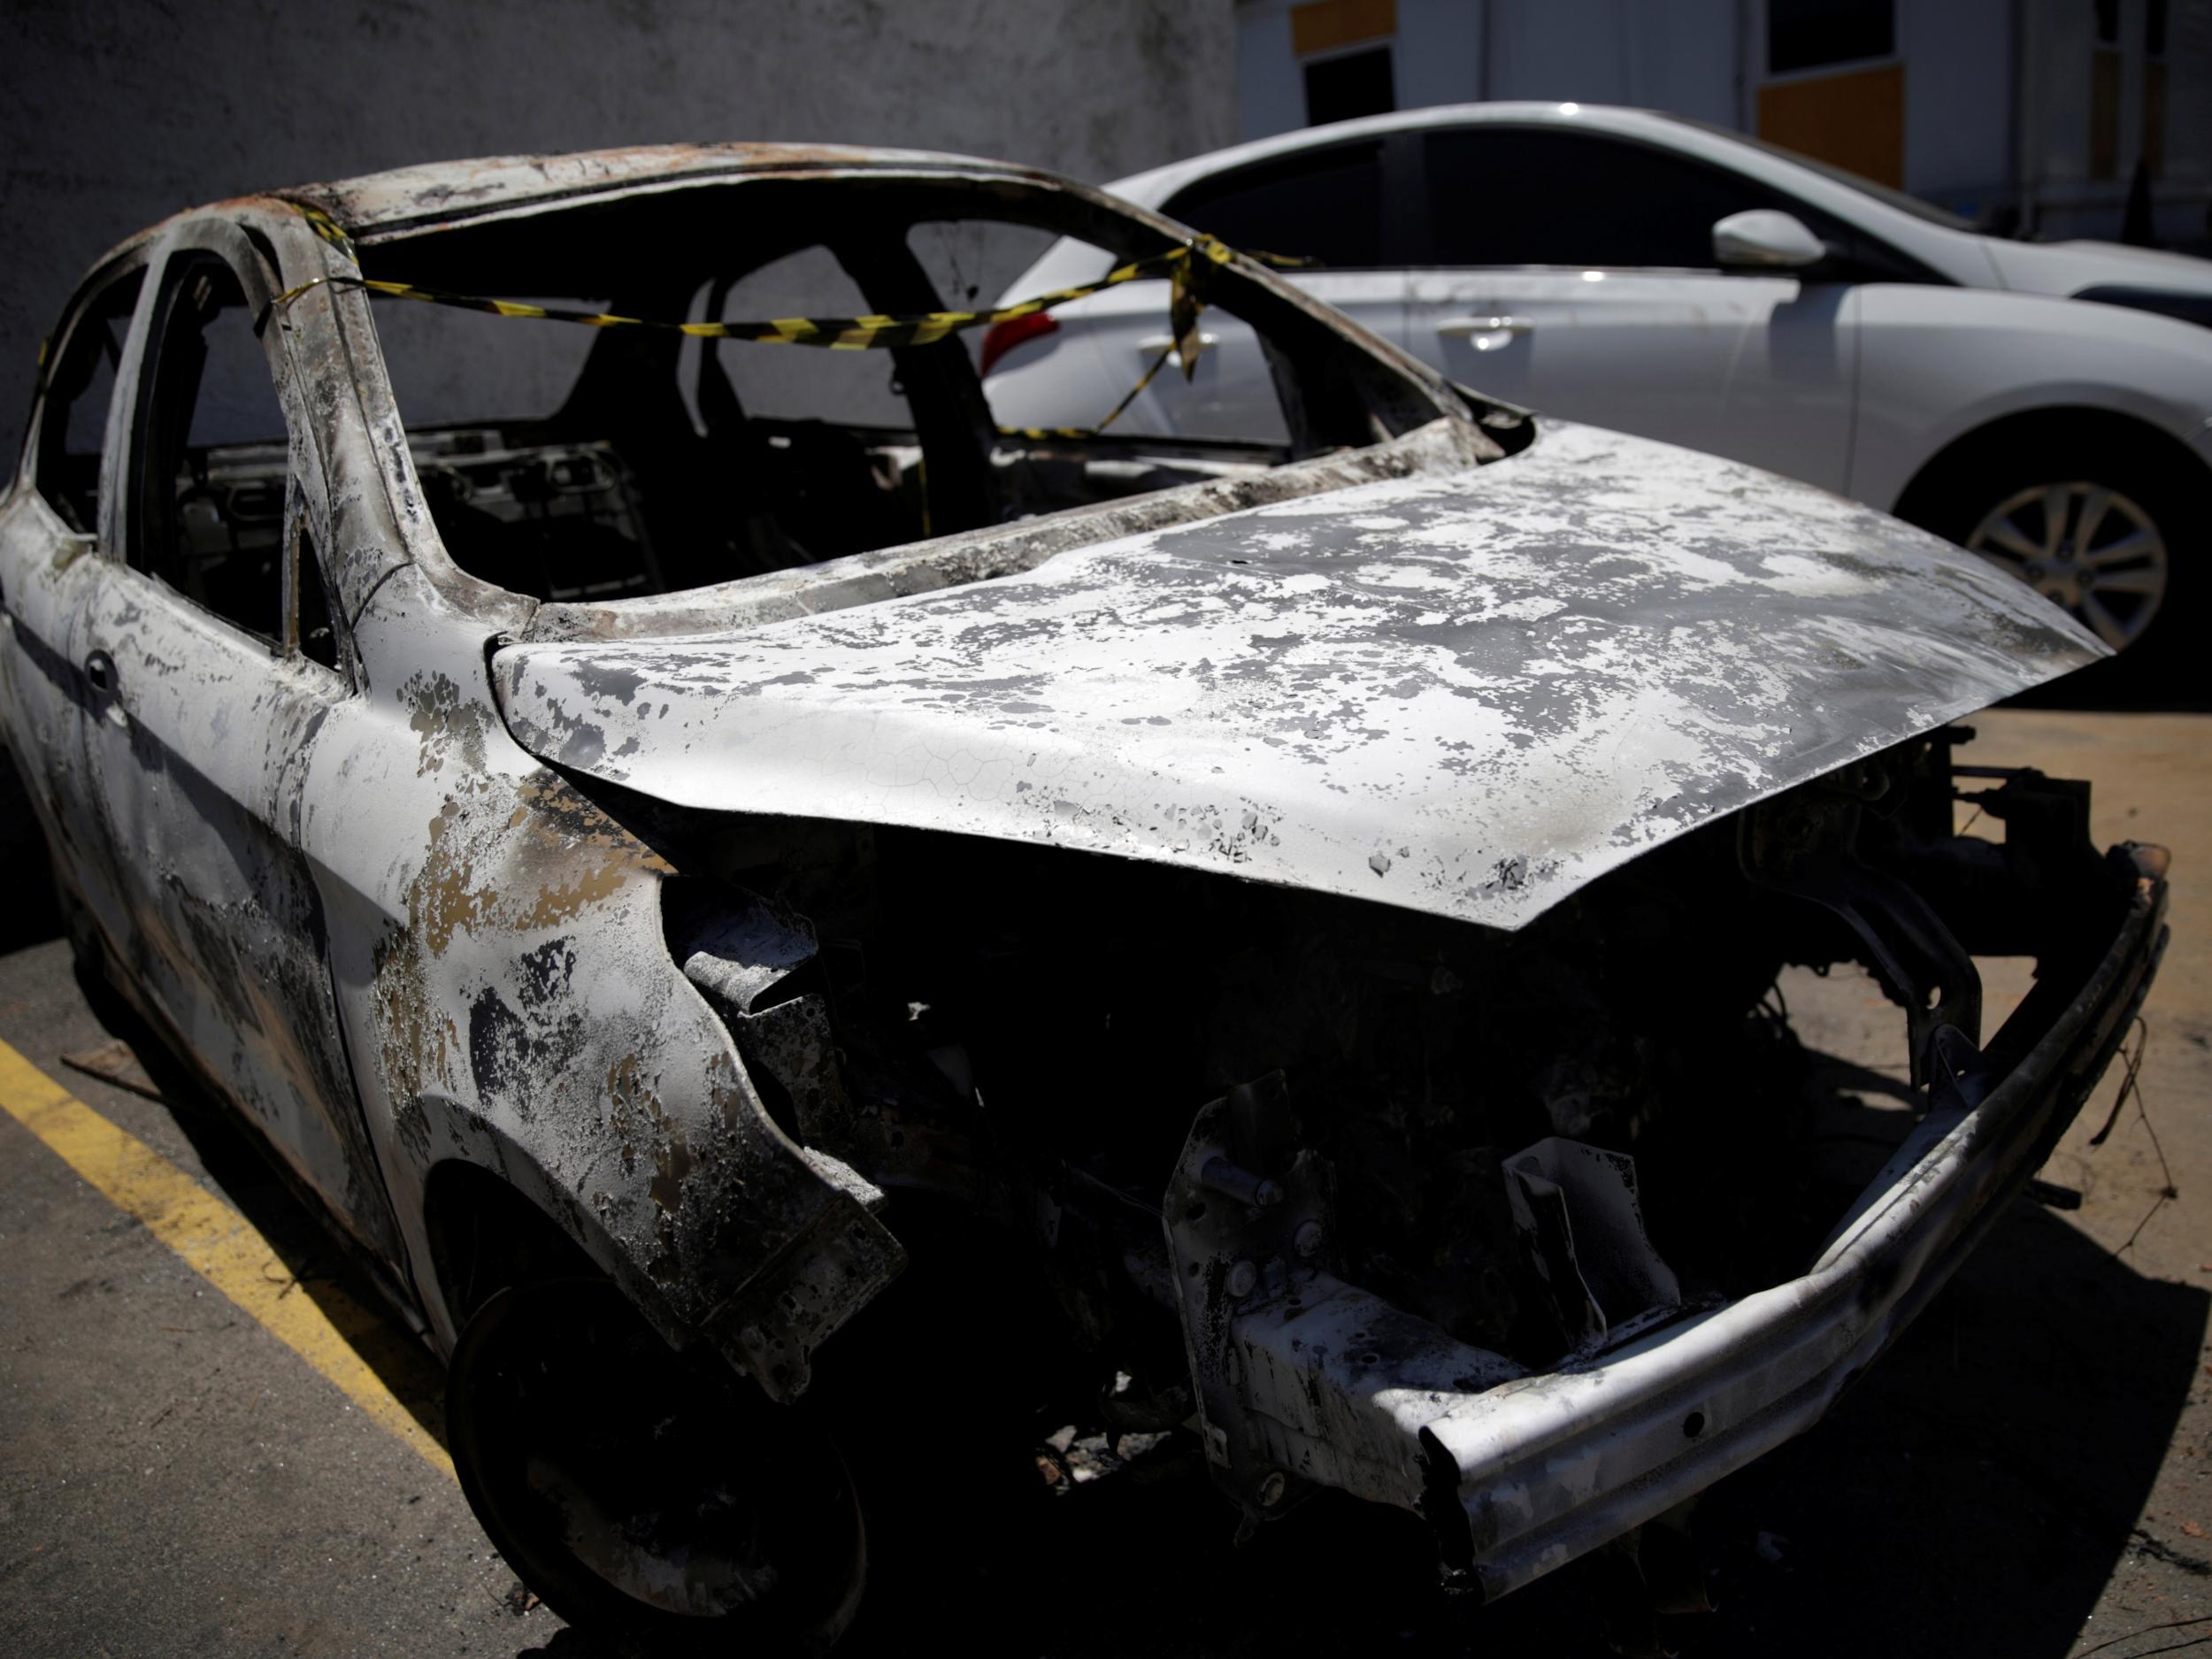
(664, 833)
(669, 461)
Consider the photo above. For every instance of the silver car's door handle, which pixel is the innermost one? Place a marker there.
(1152, 345)
(1487, 333)
(99, 671)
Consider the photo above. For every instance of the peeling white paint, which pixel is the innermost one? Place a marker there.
(1540, 667)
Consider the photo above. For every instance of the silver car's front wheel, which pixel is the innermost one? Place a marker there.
(2084, 546)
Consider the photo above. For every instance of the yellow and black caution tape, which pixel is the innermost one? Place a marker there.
(844, 334)
(1044, 435)
(1183, 266)
(328, 228)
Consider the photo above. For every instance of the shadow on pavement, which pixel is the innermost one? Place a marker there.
(321, 1266)
(31, 916)
(1980, 1486)
(1974, 1493)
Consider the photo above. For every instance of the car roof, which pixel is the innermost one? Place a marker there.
(1153, 188)
(1067, 262)
(1954, 250)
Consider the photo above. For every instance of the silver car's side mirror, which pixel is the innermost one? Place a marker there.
(1765, 239)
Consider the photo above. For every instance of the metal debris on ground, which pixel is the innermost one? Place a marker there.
(1070, 1457)
(114, 1061)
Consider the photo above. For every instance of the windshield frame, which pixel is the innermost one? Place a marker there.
(1432, 425)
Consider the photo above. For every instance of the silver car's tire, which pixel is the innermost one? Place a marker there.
(2112, 533)
(2091, 549)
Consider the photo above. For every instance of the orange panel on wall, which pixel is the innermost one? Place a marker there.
(1327, 24)
(1856, 119)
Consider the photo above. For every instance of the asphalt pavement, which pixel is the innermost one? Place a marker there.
(2025, 1474)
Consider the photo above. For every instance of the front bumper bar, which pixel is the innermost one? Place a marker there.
(1521, 1473)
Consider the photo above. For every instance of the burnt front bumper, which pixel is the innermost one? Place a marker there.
(1321, 1382)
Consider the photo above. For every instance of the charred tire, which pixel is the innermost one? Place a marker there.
(86, 952)
(655, 1499)
(2113, 535)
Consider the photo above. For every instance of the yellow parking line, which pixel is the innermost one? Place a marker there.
(219, 1244)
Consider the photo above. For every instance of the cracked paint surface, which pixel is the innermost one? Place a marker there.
(1469, 693)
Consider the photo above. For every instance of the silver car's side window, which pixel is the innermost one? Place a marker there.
(79, 391)
(1324, 206)
(1500, 195)
(1496, 195)
(208, 507)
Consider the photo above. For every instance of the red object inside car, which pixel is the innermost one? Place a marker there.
(1004, 337)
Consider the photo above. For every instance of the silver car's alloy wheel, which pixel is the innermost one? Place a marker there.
(2084, 547)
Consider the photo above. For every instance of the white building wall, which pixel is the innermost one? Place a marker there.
(1598, 51)
(1680, 56)
(1270, 92)
(1688, 60)
(1959, 70)
(1439, 53)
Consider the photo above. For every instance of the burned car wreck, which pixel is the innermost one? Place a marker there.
(628, 842)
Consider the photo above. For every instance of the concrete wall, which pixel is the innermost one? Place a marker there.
(116, 114)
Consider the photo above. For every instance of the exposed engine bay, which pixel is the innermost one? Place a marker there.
(1501, 1153)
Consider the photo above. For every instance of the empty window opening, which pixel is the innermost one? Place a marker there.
(208, 513)
(82, 387)
(578, 463)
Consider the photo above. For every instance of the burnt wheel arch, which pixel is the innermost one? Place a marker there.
(485, 1236)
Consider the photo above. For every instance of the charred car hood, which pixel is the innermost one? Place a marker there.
(1468, 693)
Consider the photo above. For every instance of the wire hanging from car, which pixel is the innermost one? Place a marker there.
(2131, 1085)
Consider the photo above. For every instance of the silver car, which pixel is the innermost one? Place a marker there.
(2047, 406)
